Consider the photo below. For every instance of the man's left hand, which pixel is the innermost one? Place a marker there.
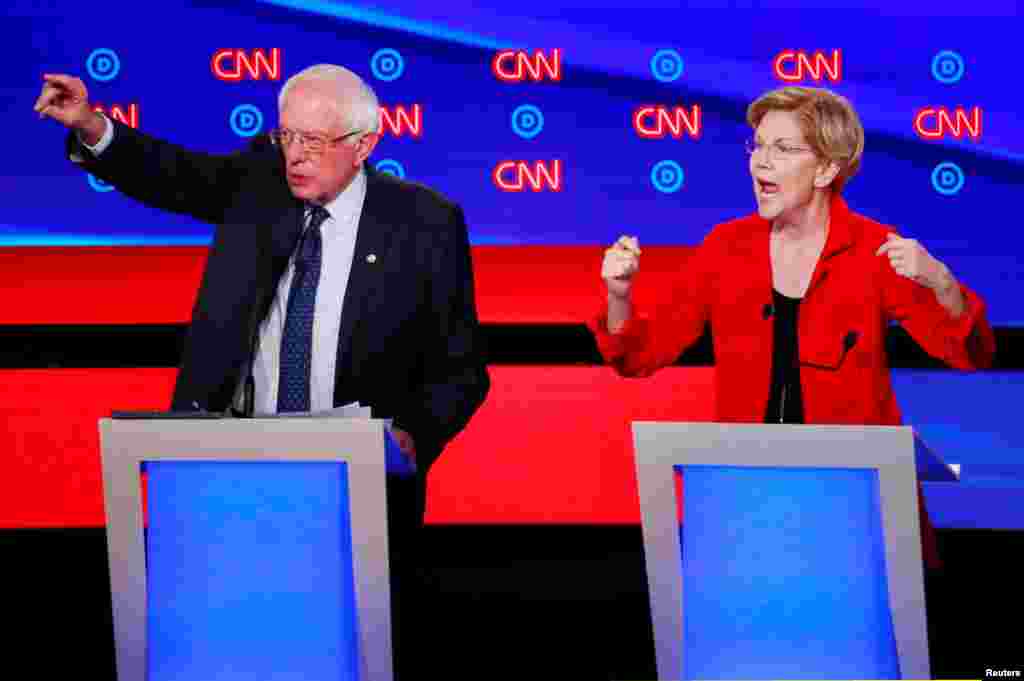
(910, 259)
(405, 442)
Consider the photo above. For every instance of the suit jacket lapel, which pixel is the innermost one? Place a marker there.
(284, 236)
(374, 238)
(840, 238)
(280, 235)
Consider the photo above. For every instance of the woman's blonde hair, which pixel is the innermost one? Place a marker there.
(827, 120)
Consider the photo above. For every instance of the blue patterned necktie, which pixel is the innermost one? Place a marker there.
(297, 339)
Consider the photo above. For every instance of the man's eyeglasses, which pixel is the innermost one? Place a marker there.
(775, 149)
(313, 144)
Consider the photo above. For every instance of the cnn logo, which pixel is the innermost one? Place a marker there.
(233, 64)
(399, 120)
(654, 122)
(515, 66)
(792, 66)
(518, 176)
(932, 123)
(129, 115)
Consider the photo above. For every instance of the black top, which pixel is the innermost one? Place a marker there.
(785, 399)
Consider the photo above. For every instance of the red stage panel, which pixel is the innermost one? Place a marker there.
(550, 445)
(554, 445)
(558, 284)
(50, 473)
(99, 285)
(157, 285)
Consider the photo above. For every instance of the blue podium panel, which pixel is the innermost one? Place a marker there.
(249, 569)
(784, 575)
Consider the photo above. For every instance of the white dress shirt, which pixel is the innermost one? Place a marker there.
(101, 144)
(338, 234)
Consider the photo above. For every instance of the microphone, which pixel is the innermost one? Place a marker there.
(849, 340)
(767, 311)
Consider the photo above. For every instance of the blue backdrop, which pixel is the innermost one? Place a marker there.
(895, 61)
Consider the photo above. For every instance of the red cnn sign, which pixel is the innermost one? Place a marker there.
(517, 176)
(792, 65)
(656, 121)
(129, 116)
(515, 66)
(932, 123)
(234, 64)
(398, 121)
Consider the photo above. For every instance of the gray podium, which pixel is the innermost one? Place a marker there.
(798, 554)
(232, 466)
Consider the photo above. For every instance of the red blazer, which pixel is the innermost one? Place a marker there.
(853, 294)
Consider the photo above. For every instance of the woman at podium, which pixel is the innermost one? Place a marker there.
(799, 294)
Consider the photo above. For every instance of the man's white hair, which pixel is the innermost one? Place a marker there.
(358, 103)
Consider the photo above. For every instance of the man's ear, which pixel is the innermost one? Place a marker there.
(365, 146)
(825, 173)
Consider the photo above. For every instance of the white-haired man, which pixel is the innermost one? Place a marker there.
(327, 282)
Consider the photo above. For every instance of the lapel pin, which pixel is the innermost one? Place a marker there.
(372, 258)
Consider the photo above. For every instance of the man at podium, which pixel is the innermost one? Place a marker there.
(327, 283)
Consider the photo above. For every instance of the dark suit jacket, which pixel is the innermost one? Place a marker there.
(409, 345)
